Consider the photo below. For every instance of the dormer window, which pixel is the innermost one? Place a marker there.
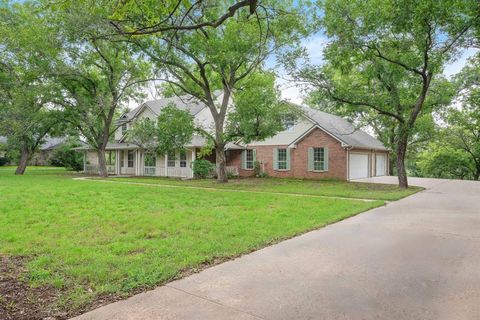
(289, 124)
(124, 128)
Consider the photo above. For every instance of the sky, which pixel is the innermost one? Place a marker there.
(314, 46)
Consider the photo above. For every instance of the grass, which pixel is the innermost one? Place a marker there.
(333, 188)
(89, 239)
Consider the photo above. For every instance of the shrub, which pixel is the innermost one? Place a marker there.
(257, 169)
(66, 157)
(3, 161)
(202, 168)
(231, 175)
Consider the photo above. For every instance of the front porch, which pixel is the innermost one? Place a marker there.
(136, 162)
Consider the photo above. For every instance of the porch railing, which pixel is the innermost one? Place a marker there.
(94, 169)
(150, 171)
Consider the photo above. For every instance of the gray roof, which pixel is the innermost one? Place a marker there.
(3, 140)
(197, 141)
(343, 130)
(51, 143)
(185, 102)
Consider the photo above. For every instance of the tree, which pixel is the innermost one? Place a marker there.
(385, 57)
(209, 60)
(27, 90)
(99, 77)
(443, 161)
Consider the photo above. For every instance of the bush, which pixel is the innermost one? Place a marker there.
(231, 175)
(3, 161)
(66, 157)
(257, 170)
(202, 168)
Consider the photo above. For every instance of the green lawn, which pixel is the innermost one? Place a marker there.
(334, 188)
(88, 239)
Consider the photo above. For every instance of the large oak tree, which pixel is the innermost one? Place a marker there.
(385, 57)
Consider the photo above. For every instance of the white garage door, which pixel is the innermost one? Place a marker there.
(380, 165)
(358, 166)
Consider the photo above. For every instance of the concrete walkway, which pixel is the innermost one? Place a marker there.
(417, 258)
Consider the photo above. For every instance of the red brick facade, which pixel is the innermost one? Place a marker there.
(337, 158)
(337, 168)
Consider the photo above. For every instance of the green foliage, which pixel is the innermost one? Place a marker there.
(258, 113)
(65, 156)
(384, 60)
(439, 161)
(175, 129)
(28, 53)
(202, 168)
(144, 134)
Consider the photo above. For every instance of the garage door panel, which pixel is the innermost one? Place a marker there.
(358, 165)
(380, 165)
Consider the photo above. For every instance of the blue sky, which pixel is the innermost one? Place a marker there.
(314, 46)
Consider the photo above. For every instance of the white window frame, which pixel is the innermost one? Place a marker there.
(285, 162)
(321, 162)
(124, 128)
(132, 160)
(171, 160)
(249, 163)
(183, 159)
(289, 124)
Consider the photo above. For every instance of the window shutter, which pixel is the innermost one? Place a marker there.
(325, 155)
(310, 159)
(244, 159)
(275, 159)
(288, 158)
(254, 155)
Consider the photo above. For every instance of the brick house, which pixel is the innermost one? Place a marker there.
(317, 145)
(314, 145)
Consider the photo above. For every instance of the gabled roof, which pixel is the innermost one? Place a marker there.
(342, 129)
(185, 102)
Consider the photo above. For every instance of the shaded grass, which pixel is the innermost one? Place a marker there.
(89, 239)
(333, 188)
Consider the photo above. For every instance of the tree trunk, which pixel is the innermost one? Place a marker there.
(401, 154)
(22, 163)
(476, 176)
(221, 164)
(102, 163)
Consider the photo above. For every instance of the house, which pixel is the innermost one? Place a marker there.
(314, 145)
(44, 154)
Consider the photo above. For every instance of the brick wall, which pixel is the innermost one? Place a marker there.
(299, 158)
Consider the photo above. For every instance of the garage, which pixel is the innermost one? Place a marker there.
(358, 166)
(380, 165)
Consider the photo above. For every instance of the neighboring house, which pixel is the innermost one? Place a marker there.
(316, 145)
(45, 152)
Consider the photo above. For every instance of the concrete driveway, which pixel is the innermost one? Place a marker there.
(417, 258)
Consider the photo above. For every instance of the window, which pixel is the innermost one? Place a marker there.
(282, 159)
(319, 159)
(150, 160)
(124, 128)
(171, 159)
(110, 158)
(183, 159)
(289, 124)
(249, 159)
(122, 158)
(130, 158)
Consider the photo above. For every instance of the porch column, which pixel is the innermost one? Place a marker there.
(141, 163)
(117, 162)
(84, 161)
(166, 165)
(194, 157)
